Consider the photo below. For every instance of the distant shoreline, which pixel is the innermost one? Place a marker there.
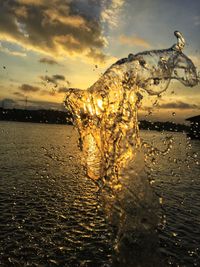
(65, 118)
(36, 116)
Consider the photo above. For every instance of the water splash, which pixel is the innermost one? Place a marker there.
(106, 118)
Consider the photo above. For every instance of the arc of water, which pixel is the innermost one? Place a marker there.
(180, 41)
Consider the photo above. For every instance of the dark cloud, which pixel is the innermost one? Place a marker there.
(18, 94)
(63, 90)
(59, 77)
(49, 61)
(53, 79)
(56, 27)
(97, 55)
(48, 79)
(27, 88)
(178, 105)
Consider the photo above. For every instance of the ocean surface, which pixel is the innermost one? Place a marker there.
(51, 213)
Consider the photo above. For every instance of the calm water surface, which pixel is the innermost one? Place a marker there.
(50, 212)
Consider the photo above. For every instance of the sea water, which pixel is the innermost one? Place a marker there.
(51, 213)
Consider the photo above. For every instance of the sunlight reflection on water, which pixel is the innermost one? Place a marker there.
(51, 214)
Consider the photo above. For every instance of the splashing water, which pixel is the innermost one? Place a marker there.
(106, 118)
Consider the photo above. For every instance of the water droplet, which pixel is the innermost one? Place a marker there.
(53, 261)
(172, 173)
(174, 234)
(155, 103)
(195, 155)
(152, 181)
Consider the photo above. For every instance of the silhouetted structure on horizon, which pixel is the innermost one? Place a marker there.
(194, 130)
(40, 116)
(65, 117)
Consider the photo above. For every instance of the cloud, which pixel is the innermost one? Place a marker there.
(178, 105)
(62, 90)
(53, 79)
(97, 55)
(11, 52)
(57, 28)
(135, 40)
(27, 88)
(59, 77)
(48, 79)
(49, 61)
(111, 11)
(19, 94)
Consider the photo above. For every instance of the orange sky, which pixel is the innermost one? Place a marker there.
(48, 46)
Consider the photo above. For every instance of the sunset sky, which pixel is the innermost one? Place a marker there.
(47, 46)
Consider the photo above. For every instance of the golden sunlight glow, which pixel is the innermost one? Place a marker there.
(100, 103)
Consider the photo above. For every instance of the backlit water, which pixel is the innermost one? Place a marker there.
(51, 213)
